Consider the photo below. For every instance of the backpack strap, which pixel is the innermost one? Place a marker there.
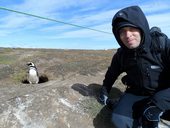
(159, 41)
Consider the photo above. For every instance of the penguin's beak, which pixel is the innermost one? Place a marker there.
(28, 64)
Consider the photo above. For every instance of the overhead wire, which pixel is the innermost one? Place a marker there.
(54, 20)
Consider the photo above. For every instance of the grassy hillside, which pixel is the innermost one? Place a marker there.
(54, 63)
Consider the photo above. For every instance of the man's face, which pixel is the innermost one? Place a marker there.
(130, 36)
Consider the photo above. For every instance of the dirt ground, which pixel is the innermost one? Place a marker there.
(66, 96)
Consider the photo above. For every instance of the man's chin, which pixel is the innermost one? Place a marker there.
(132, 47)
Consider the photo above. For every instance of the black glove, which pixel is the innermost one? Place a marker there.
(147, 112)
(103, 96)
(111, 103)
(138, 108)
(151, 116)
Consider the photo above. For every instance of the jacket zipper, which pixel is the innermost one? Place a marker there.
(139, 64)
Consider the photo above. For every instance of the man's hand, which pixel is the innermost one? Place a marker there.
(138, 108)
(103, 96)
(111, 103)
(148, 112)
(103, 99)
(151, 117)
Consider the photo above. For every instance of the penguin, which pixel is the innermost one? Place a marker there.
(33, 77)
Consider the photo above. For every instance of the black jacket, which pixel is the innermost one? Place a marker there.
(148, 72)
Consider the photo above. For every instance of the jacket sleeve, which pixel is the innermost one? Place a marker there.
(113, 71)
(162, 98)
(166, 54)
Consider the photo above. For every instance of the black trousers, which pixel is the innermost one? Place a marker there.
(122, 113)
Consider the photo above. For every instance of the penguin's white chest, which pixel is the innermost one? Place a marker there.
(33, 76)
(32, 72)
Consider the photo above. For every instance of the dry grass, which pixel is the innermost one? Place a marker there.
(54, 63)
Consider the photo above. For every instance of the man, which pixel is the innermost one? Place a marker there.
(147, 95)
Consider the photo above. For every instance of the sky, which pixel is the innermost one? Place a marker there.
(23, 31)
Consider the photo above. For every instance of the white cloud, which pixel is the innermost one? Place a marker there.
(154, 6)
(160, 20)
(158, 14)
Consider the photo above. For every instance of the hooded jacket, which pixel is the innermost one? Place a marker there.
(145, 69)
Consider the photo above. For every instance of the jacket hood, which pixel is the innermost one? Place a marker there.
(135, 16)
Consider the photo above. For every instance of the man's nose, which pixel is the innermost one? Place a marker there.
(128, 33)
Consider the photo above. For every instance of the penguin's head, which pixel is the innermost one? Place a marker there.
(31, 64)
